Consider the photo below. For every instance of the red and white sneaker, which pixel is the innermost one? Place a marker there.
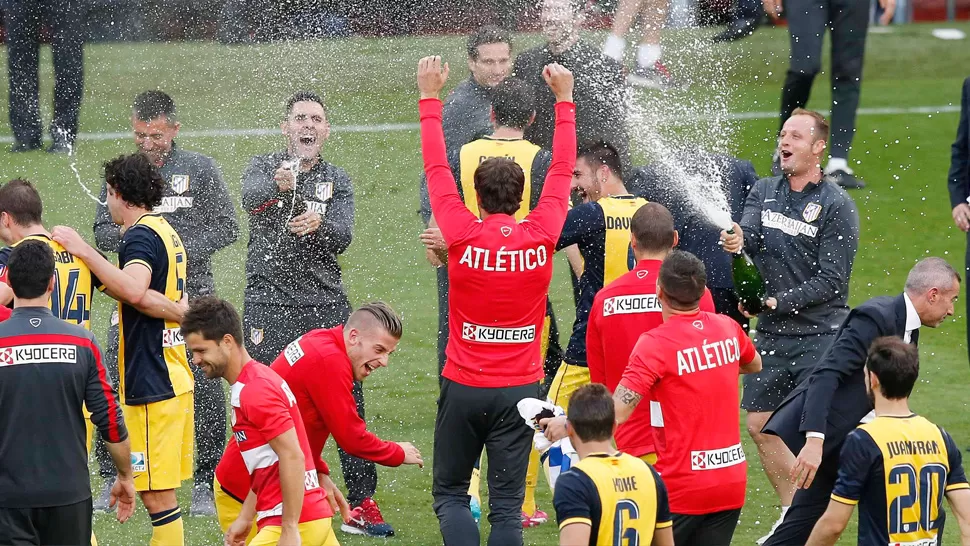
(652, 77)
(368, 521)
(535, 520)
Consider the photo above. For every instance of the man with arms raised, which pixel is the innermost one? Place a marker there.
(493, 350)
(156, 381)
(196, 203)
(897, 467)
(285, 499)
(321, 367)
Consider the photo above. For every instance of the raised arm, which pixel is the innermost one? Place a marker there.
(550, 213)
(259, 189)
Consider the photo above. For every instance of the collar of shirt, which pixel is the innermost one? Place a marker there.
(912, 317)
(647, 264)
(31, 311)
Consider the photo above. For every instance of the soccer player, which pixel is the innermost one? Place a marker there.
(493, 351)
(649, 72)
(513, 109)
(624, 310)
(608, 497)
(48, 369)
(600, 227)
(321, 367)
(285, 498)
(196, 203)
(802, 232)
(600, 83)
(156, 381)
(691, 365)
(899, 466)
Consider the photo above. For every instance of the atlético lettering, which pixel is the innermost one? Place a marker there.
(503, 260)
(708, 356)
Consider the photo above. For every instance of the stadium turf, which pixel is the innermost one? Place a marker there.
(904, 211)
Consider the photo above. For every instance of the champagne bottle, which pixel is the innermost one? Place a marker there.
(748, 285)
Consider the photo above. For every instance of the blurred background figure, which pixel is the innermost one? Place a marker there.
(65, 20)
(745, 19)
(649, 71)
(958, 180)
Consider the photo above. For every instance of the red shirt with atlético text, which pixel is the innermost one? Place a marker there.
(499, 270)
(691, 363)
(622, 311)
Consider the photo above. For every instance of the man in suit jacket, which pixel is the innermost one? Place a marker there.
(958, 181)
(816, 417)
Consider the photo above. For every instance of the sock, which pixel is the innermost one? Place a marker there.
(531, 481)
(614, 46)
(648, 54)
(837, 164)
(167, 528)
(475, 483)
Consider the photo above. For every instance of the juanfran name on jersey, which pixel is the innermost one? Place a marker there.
(38, 354)
(491, 334)
(631, 304)
(172, 337)
(502, 260)
(172, 203)
(712, 459)
(790, 226)
(708, 356)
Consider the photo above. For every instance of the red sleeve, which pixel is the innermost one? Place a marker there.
(5, 312)
(747, 346)
(267, 408)
(550, 213)
(332, 395)
(595, 359)
(646, 366)
(450, 212)
(707, 302)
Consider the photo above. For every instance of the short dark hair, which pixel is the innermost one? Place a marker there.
(499, 183)
(591, 413)
(488, 34)
(212, 318)
(652, 226)
(304, 96)
(150, 105)
(600, 152)
(896, 364)
(514, 103)
(682, 279)
(30, 269)
(136, 180)
(821, 124)
(383, 314)
(19, 199)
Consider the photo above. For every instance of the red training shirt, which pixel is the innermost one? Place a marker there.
(263, 408)
(622, 311)
(499, 270)
(691, 363)
(319, 373)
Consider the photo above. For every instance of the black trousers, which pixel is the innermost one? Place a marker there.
(966, 260)
(807, 506)
(210, 419)
(62, 525)
(848, 21)
(715, 529)
(470, 418)
(275, 327)
(65, 18)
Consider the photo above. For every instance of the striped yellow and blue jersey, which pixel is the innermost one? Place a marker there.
(152, 361)
(619, 496)
(897, 469)
(601, 230)
(533, 160)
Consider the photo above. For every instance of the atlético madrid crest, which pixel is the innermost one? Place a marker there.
(811, 212)
(180, 183)
(256, 335)
(323, 191)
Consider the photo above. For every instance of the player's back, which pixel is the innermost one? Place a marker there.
(623, 497)
(912, 464)
(521, 151)
(151, 359)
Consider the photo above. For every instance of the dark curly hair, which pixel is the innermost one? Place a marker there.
(135, 179)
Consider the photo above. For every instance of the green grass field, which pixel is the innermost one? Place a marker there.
(904, 159)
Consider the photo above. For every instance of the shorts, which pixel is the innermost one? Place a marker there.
(161, 436)
(785, 362)
(318, 532)
(227, 509)
(715, 529)
(568, 380)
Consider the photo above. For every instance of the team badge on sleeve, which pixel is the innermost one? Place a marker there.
(256, 335)
(811, 212)
(180, 183)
